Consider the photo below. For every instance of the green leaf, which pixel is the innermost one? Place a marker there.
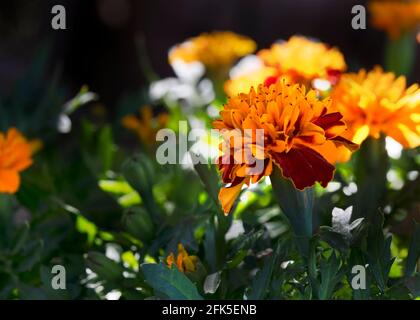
(139, 224)
(138, 171)
(83, 225)
(413, 252)
(334, 239)
(413, 284)
(169, 283)
(379, 252)
(331, 275)
(104, 267)
(209, 178)
(262, 280)
(21, 238)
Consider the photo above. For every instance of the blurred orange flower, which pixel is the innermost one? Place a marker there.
(300, 59)
(395, 16)
(214, 50)
(183, 261)
(299, 130)
(15, 156)
(146, 125)
(378, 102)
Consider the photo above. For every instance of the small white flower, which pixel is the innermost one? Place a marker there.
(245, 66)
(341, 221)
(189, 72)
(186, 88)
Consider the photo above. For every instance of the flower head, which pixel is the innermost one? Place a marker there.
(299, 135)
(300, 59)
(341, 222)
(15, 156)
(214, 50)
(378, 102)
(183, 261)
(395, 16)
(147, 125)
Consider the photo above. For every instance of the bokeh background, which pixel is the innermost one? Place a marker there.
(99, 46)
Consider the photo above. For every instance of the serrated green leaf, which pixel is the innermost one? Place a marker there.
(169, 283)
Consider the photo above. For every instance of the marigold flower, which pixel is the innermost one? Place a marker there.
(183, 261)
(378, 102)
(214, 50)
(297, 128)
(146, 126)
(395, 16)
(300, 59)
(15, 156)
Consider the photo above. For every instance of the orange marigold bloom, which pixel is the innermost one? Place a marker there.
(297, 127)
(214, 50)
(378, 102)
(395, 16)
(183, 261)
(146, 126)
(303, 58)
(300, 59)
(15, 156)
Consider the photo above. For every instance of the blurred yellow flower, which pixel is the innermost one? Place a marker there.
(303, 58)
(299, 59)
(183, 261)
(378, 102)
(15, 156)
(146, 126)
(215, 50)
(395, 16)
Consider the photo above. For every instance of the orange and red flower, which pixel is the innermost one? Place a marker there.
(15, 156)
(300, 59)
(300, 135)
(378, 102)
(183, 261)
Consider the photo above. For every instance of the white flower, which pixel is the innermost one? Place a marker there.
(186, 88)
(245, 66)
(341, 221)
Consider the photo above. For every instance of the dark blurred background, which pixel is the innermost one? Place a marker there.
(99, 49)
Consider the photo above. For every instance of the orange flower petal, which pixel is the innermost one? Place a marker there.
(228, 195)
(9, 181)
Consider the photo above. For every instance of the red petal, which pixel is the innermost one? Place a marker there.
(331, 123)
(347, 143)
(304, 167)
(333, 76)
(329, 120)
(270, 80)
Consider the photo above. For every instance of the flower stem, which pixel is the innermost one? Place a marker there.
(297, 206)
(400, 54)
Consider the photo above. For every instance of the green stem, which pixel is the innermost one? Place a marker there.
(371, 167)
(400, 54)
(297, 206)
